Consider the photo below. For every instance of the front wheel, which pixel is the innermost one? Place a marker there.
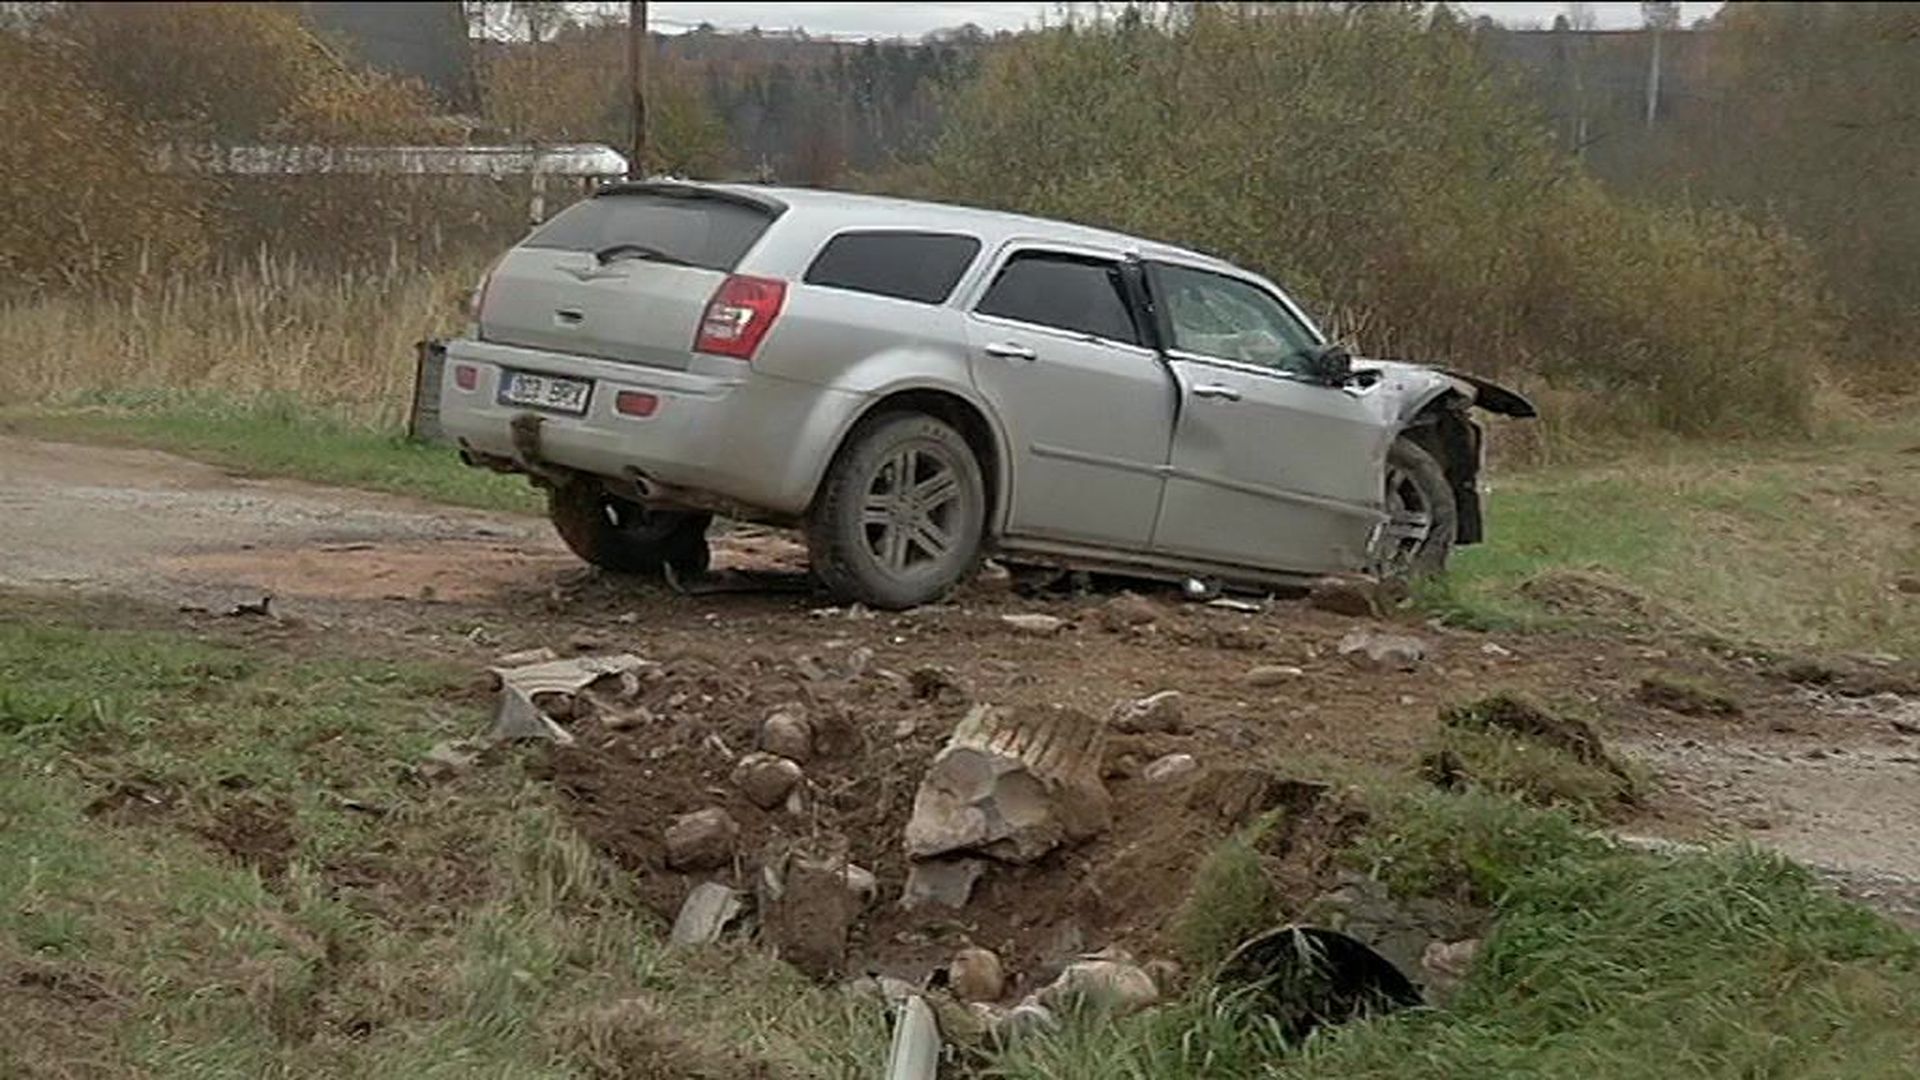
(1422, 518)
(625, 537)
(900, 516)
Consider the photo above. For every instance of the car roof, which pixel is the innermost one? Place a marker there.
(883, 211)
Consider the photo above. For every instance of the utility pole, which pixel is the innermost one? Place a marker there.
(1659, 18)
(637, 80)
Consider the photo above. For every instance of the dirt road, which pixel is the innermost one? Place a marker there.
(1826, 779)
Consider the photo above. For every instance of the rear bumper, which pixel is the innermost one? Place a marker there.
(748, 438)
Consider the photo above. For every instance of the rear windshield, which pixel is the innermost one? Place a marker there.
(905, 265)
(706, 232)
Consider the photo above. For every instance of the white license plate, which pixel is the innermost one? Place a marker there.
(545, 392)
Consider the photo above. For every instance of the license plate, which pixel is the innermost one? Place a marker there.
(545, 392)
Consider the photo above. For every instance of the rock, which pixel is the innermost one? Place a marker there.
(946, 882)
(1757, 822)
(1012, 784)
(1907, 583)
(1369, 649)
(1904, 727)
(1495, 649)
(862, 883)
(975, 975)
(702, 840)
(1273, 675)
(448, 759)
(1520, 715)
(766, 778)
(1037, 625)
(1117, 987)
(788, 735)
(1446, 963)
(1355, 597)
(809, 920)
(625, 719)
(1165, 975)
(885, 987)
(1127, 610)
(705, 914)
(1170, 767)
(1163, 711)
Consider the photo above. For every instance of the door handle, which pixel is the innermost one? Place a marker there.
(1216, 390)
(569, 316)
(1011, 350)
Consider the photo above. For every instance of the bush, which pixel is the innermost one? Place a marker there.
(1376, 167)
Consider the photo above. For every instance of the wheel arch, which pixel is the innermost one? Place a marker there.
(1442, 427)
(970, 417)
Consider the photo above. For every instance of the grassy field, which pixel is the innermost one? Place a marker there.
(216, 861)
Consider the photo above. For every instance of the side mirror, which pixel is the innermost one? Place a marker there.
(1331, 364)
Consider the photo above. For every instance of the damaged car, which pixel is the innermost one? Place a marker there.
(916, 385)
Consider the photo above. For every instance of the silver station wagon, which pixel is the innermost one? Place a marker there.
(916, 385)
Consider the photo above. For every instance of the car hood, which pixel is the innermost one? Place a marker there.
(1418, 384)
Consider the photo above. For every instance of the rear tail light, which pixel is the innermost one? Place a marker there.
(477, 300)
(739, 315)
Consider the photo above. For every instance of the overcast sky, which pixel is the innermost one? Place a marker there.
(912, 20)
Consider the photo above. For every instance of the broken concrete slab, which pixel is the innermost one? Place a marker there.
(945, 882)
(705, 914)
(519, 718)
(1373, 650)
(702, 840)
(569, 676)
(1012, 784)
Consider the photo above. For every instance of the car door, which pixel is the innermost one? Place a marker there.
(1056, 346)
(1269, 468)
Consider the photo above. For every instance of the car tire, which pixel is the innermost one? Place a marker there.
(625, 537)
(1423, 520)
(900, 518)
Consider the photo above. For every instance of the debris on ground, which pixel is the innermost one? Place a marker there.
(1307, 977)
(448, 759)
(526, 658)
(1265, 675)
(1354, 597)
(1371, 649)
(1162, 712)
(1036, 624)
(974, 974)
(702, 840)
(1517, 714)
(255, 609)
(1168, 768)
(766, 779)
(1237, 605)
(1127, 611)
(915, 1051)
(1110, 984)
(1510, 743)
(931, 682)
(705, 915)
(945, 882)
(1012, 784)
(809, 903)
(1686, 698)
(519, 718)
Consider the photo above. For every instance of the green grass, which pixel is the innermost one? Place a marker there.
(279, 438)
(1603, 963)
(1791, 544)
(460, 929)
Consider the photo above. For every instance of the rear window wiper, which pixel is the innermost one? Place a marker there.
(636, 251)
